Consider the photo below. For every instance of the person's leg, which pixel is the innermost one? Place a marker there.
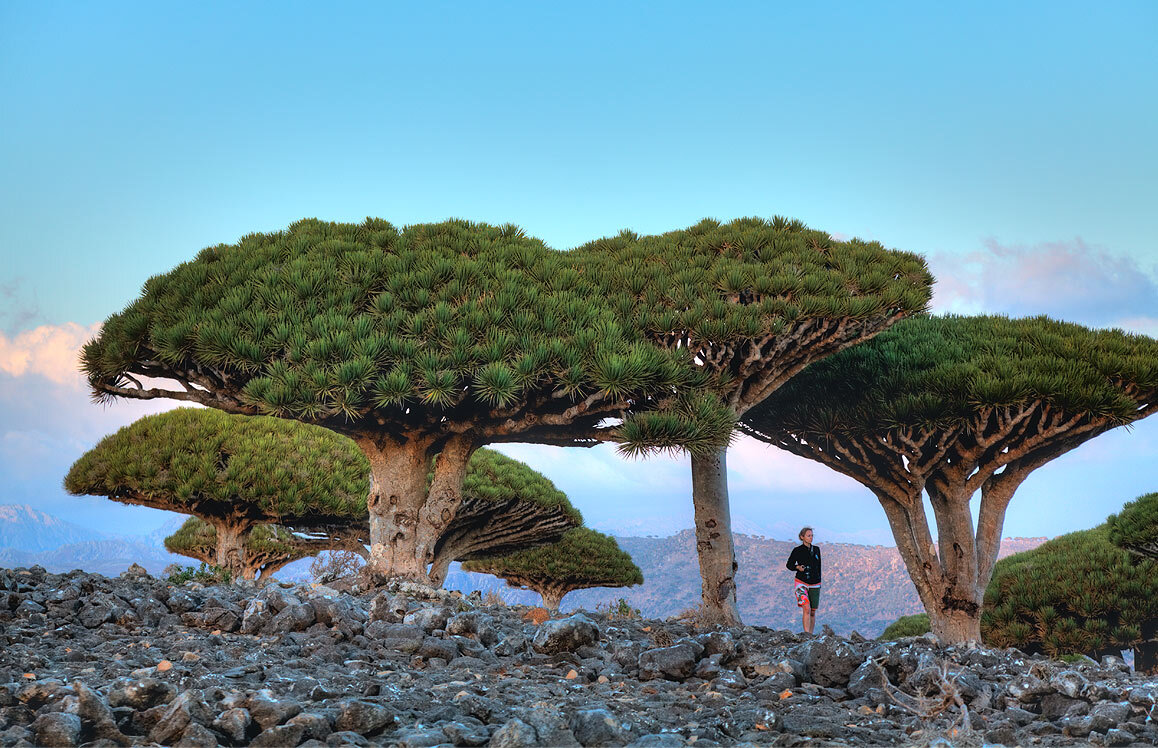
(813, 604)
(807, 622)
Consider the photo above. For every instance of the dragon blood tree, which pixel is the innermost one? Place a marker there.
(506, 507)
(234, 472)
(1076, 594)
(582, 558)
(244, 473)
(431, 340)
(1135, 528)
(267, 548)
(946, 408)
(754, 302)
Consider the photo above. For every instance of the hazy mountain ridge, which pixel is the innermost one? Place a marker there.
(23, 528)
(866, 587)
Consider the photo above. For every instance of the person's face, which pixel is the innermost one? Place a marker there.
(807, 537)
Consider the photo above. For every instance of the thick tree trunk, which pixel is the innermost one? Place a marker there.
(231, 546)
(1146, 657)
(552, 597)
(439, 569)
(397, 494)
(714, 543)
(268, 570)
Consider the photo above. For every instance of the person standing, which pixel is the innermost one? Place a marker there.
(805, 561)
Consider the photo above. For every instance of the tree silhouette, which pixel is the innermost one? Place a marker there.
(267, 548)
(949, 407)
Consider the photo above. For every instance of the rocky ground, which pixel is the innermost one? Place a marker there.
(88, 660)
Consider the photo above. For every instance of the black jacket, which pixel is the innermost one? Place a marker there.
(810, 559)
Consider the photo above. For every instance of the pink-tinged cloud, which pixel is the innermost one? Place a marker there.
(1066, 280)
(49, 351)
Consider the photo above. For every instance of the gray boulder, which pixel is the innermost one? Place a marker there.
(676, 662)
(828, 660)
(565, 634)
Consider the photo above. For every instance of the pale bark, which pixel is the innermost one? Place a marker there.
(714, 544)
(397, 494)
(230, 551)
(552, 597)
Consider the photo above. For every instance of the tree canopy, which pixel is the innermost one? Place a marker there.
(1076, 594)
(1135, 527)
(582, 558)
(950, 406)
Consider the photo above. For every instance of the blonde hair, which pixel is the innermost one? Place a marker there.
(800, 535)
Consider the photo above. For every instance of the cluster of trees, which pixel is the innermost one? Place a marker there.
(437, 339)
(1088, 592)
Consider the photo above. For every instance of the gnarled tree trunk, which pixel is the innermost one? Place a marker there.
(231, 547)
(714, 544)
(406, 519)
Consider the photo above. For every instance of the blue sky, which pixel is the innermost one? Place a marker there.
(1012, 144)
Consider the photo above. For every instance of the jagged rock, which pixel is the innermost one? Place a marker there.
(269, 711)
(549, 724)
(279, 737)
(185, 709)
(565, 634)
(596, 727)
(314, 726)
(196, 736)
(39, 693)
(235, 724)
(428, 619)
(56, 729)
(659, 740)
(295, 616)
(140, 694)
(255, 616)
(1104, 716)
(828, 660)
(676, 662)
(466, 731)
(718, 642)
(363, 717)
(514, 734)
(1069, 683)
(96, 715)
(1028, 688)
(419, 737)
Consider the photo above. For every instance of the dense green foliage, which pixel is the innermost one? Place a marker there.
(730, 282)
(1135, 528)
(203, 458)
(368, 327)
(914, 625)
(198, 456)
(583, 558)
(940, 371)
(198, 540)
(1078, 593)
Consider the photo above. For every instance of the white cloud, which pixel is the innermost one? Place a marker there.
(49, 351)
(1068, 280)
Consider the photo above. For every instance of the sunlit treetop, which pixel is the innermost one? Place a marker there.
(204, 461)
(365, 328)
(940, 372)
(1135, 528)
(755, 300)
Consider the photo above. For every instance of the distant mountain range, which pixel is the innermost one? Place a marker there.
(866, 587)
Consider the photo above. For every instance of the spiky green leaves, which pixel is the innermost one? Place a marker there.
(1075, 594)
(730, 282)
(201, 460)
(690, 424)
(939, 372)
(1135, 528)
(197, 539)
(583, 558)
(374, 327)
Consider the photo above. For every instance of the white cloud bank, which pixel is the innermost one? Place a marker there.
(50, 351)
(1069, 280)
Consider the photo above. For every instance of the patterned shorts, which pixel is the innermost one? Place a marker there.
(807, 593)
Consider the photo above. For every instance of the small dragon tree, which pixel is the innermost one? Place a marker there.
(583, 558)
(267, 547)
(233, 472)
(952, 406)
(240, 473)
(507, 507)
(755, 301)
(431, 340)
(1076, 594)
(1135, 528)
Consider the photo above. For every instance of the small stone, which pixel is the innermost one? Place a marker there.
(234, 724)
(596, 727)
(196, 736)
(676, 662)
(514, 734)
(279, 737)
(571, 675)
(57, 729)
(164, 665)
(269, 711)
(363, 717)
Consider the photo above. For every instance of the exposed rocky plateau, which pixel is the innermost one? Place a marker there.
(88, 660)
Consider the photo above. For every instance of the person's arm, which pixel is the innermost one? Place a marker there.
(791, 565)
